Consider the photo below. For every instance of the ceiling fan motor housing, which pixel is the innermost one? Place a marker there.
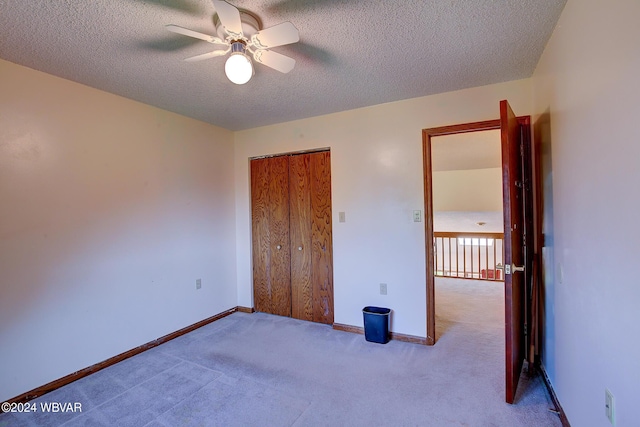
(250, 25)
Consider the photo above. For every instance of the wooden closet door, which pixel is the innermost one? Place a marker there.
(300, 227)
(270, 227)
(279, 225)
(292, 237)
(260, 235)
(321, 237)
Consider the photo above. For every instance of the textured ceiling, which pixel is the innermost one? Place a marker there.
(352, 53)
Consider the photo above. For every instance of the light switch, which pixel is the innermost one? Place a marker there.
(383, 288)
(341, 217)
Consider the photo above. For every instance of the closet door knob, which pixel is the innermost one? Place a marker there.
(278, 247)
(299, 248)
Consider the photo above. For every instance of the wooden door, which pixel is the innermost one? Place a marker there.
(270, 228)
(514, 229)
(321, 237)
(291, 202)
(301, 246)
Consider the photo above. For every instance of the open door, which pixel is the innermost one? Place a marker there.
(514, 187)
(518, 214)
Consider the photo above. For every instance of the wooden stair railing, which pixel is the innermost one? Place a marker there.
(478, 256)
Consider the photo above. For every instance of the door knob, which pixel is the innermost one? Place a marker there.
(278, 247)
(299, 248)
(516, 268)
(509, 268)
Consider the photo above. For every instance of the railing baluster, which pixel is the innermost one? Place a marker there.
(435, 254)
(443, 256)
(464, 258)
(449, 256)
(457, 257)
(486, 256)
(495, 270)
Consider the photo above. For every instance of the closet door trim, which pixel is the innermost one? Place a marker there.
(291, 153)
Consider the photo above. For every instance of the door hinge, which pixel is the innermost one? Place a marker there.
(525, 329)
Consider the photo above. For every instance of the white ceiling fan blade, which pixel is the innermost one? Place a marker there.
(229, 17)
(277, 35)
(275, 60)
(194, 34)
(206, 55)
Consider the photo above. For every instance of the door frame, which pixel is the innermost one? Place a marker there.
(427, 134)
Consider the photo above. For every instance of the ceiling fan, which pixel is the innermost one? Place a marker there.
(239, 32)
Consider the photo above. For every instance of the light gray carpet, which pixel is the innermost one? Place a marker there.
(263, 370)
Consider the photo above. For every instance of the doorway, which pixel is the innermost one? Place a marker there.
(468, 232)
(427, 142)
(518, 224)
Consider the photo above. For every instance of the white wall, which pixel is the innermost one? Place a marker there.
(109, 212)
(377, 173)
(469, 190)
(587, 79)
(468, 221)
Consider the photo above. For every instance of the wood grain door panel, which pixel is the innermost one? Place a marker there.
(514, 228)
(321, 235)
(260, 231)
(279, 236)
(300, 228)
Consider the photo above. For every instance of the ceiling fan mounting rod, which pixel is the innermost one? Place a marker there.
(238, 46)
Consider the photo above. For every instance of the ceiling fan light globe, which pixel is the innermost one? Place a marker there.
(238, 68)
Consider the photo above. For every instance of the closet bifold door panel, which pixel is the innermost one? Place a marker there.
(270, 228)
(291, 201)
(321, 236)
(300, 232)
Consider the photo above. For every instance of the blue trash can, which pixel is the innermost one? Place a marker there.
(376, 324)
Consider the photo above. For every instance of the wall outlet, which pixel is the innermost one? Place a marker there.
(383, 288)
(198, 283)
(417, 216)
(609, 407)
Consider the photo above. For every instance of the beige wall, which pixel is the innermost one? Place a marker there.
(587, 100)
(377, 173)
(109, 212)
(470, 190)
